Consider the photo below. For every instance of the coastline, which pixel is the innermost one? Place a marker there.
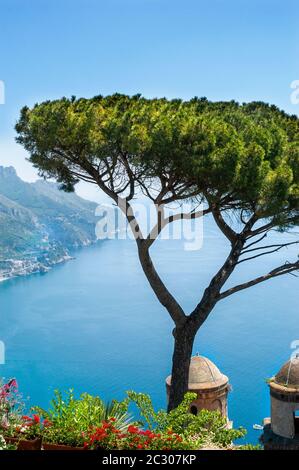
(42, 268)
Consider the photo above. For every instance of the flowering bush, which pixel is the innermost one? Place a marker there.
(11, 407)
(31, 427)
(107, 436)
(88, 421)
(69, 418)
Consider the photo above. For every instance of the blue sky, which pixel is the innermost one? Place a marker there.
(223, 49)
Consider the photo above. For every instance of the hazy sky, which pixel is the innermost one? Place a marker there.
(222, 49)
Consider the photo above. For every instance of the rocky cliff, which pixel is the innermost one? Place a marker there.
(39, 224)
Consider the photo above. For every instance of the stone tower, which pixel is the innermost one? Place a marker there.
(281, 431)
(210, 385)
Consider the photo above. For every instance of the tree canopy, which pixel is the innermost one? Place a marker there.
(237, 156)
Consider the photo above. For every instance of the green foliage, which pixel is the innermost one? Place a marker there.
(249, 447)
(206, 426)
(71, 417)
(89, 421)
(247, 151)
(5, 446)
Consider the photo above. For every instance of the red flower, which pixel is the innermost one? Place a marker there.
(47, 423)
(26, 418)
(36, 419)
(149, 434)
(140, 446)
(133, 429)
(106, 425)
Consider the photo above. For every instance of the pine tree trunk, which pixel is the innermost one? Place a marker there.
(183, 344)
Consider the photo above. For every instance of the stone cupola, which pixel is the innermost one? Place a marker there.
(210, 385)
(281, 431)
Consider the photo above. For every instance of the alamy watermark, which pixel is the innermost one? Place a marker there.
(143, 221)
(2, 92)
(294, 97)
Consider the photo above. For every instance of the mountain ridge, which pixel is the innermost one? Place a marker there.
(40, 224)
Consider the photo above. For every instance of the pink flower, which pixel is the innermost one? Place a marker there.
(3, 393)
(13, 383)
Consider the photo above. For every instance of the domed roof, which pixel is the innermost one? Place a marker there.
(203, 374)
(288, 376)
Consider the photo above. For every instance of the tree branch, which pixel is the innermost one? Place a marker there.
(278, 247)
(162, 293)
(230, 234)
(257, 241)
(211, 293)
(286, 268)
(130, 175)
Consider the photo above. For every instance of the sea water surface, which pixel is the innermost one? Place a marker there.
(93, 324)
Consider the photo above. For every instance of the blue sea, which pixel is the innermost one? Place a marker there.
(93, 324)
